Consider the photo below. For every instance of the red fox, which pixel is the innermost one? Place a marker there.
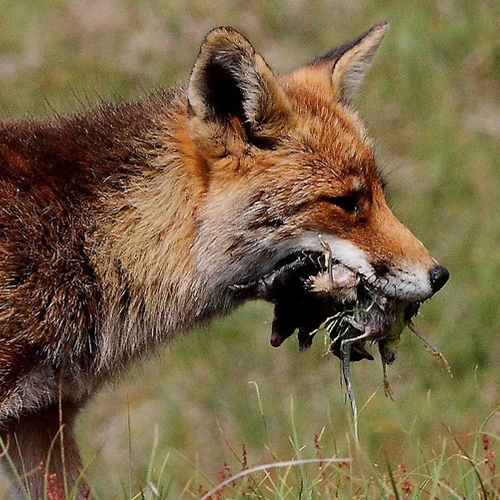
(127, 224)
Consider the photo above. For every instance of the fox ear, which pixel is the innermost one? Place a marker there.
(230, 80)
(343, 68)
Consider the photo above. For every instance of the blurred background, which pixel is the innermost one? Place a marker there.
(432, 104)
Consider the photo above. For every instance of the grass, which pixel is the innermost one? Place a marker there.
(432, 104)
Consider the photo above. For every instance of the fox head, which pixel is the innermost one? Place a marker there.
(285, 159)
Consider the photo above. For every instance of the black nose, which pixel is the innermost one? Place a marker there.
(438, 276)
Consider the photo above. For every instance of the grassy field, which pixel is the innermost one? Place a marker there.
(221, 398)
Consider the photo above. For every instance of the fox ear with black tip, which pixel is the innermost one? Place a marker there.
(231, 84)
(342, 69)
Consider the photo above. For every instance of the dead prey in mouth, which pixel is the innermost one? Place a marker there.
(312, 291)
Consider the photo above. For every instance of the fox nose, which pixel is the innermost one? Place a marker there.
(438, 277)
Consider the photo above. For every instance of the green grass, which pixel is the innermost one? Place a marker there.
(432, 103)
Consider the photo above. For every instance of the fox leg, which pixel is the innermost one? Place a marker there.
(43, 448)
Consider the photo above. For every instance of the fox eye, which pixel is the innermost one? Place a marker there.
(348, 203)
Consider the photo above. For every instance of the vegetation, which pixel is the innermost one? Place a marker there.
(221, 399)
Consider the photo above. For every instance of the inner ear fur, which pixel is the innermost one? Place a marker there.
(230, 80)
(341, 70)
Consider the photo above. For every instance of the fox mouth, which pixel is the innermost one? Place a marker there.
(310, 290)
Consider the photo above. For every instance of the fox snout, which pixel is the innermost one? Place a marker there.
(408, 276)
(409, 282)
(403, 267)
(402, 277)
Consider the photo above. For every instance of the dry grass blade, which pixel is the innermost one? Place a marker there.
(274, 465)
(434, 350)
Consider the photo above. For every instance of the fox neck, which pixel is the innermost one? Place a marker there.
(150, 254)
